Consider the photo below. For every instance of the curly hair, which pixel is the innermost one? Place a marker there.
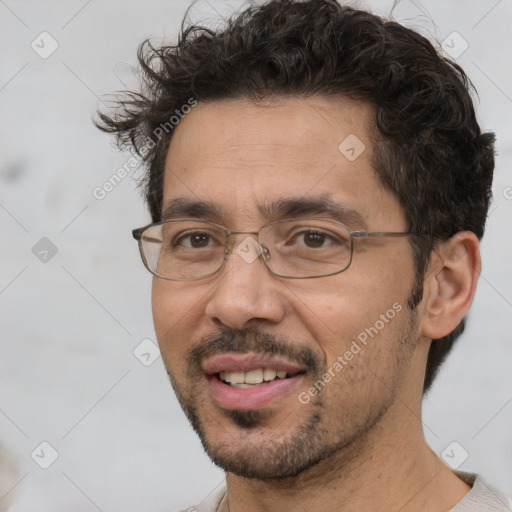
(428, 150)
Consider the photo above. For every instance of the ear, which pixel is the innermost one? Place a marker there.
(450, 284)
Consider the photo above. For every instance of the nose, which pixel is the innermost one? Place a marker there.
(246, 291)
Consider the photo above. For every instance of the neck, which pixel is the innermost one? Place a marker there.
(391, 467)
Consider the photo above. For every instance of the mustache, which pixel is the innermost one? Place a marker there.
(256, 341)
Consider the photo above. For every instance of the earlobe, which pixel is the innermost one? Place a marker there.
(450, 284)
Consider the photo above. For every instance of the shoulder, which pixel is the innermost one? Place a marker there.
(482, 497)
(210, 503)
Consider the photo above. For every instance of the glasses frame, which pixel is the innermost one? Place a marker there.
(138, 232)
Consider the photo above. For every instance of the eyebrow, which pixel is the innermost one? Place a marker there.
(180, 208)
(323, 205)
(277, 209)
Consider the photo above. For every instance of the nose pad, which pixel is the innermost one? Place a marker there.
(264, 251)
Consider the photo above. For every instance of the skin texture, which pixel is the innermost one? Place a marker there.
(359, 441)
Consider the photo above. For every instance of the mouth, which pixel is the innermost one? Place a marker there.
(249, 381)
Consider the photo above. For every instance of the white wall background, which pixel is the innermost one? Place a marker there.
(69, 326)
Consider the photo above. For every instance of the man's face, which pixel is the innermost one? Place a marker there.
(352, 333)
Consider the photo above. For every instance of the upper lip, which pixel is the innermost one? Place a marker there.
(233, 362)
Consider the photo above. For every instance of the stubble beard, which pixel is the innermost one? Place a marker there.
(256, 449)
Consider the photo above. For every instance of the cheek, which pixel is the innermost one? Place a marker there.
(368, 361)
(175, 315)
(356, 305)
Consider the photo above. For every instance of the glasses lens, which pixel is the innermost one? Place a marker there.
(183, 250)
(307, 248)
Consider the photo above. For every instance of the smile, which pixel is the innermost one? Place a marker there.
(249, 381)
(245, 380)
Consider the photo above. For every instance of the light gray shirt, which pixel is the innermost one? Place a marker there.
(481, 498)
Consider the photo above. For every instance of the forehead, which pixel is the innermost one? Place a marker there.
(241, 155)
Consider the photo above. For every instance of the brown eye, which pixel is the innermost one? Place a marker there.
(193, 240)
(314, 240)
(199, 240)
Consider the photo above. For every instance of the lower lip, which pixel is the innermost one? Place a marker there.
(250, 399)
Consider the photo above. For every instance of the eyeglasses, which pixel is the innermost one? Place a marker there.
(188, 249)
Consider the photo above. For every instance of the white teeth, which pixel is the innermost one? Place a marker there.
(252, 377)
(232, 377)
(269, 374)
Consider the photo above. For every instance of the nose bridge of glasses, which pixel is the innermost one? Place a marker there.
(237, 232)
(249, 247)
(231, 237)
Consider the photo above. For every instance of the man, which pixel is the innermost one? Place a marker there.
(318, 184)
